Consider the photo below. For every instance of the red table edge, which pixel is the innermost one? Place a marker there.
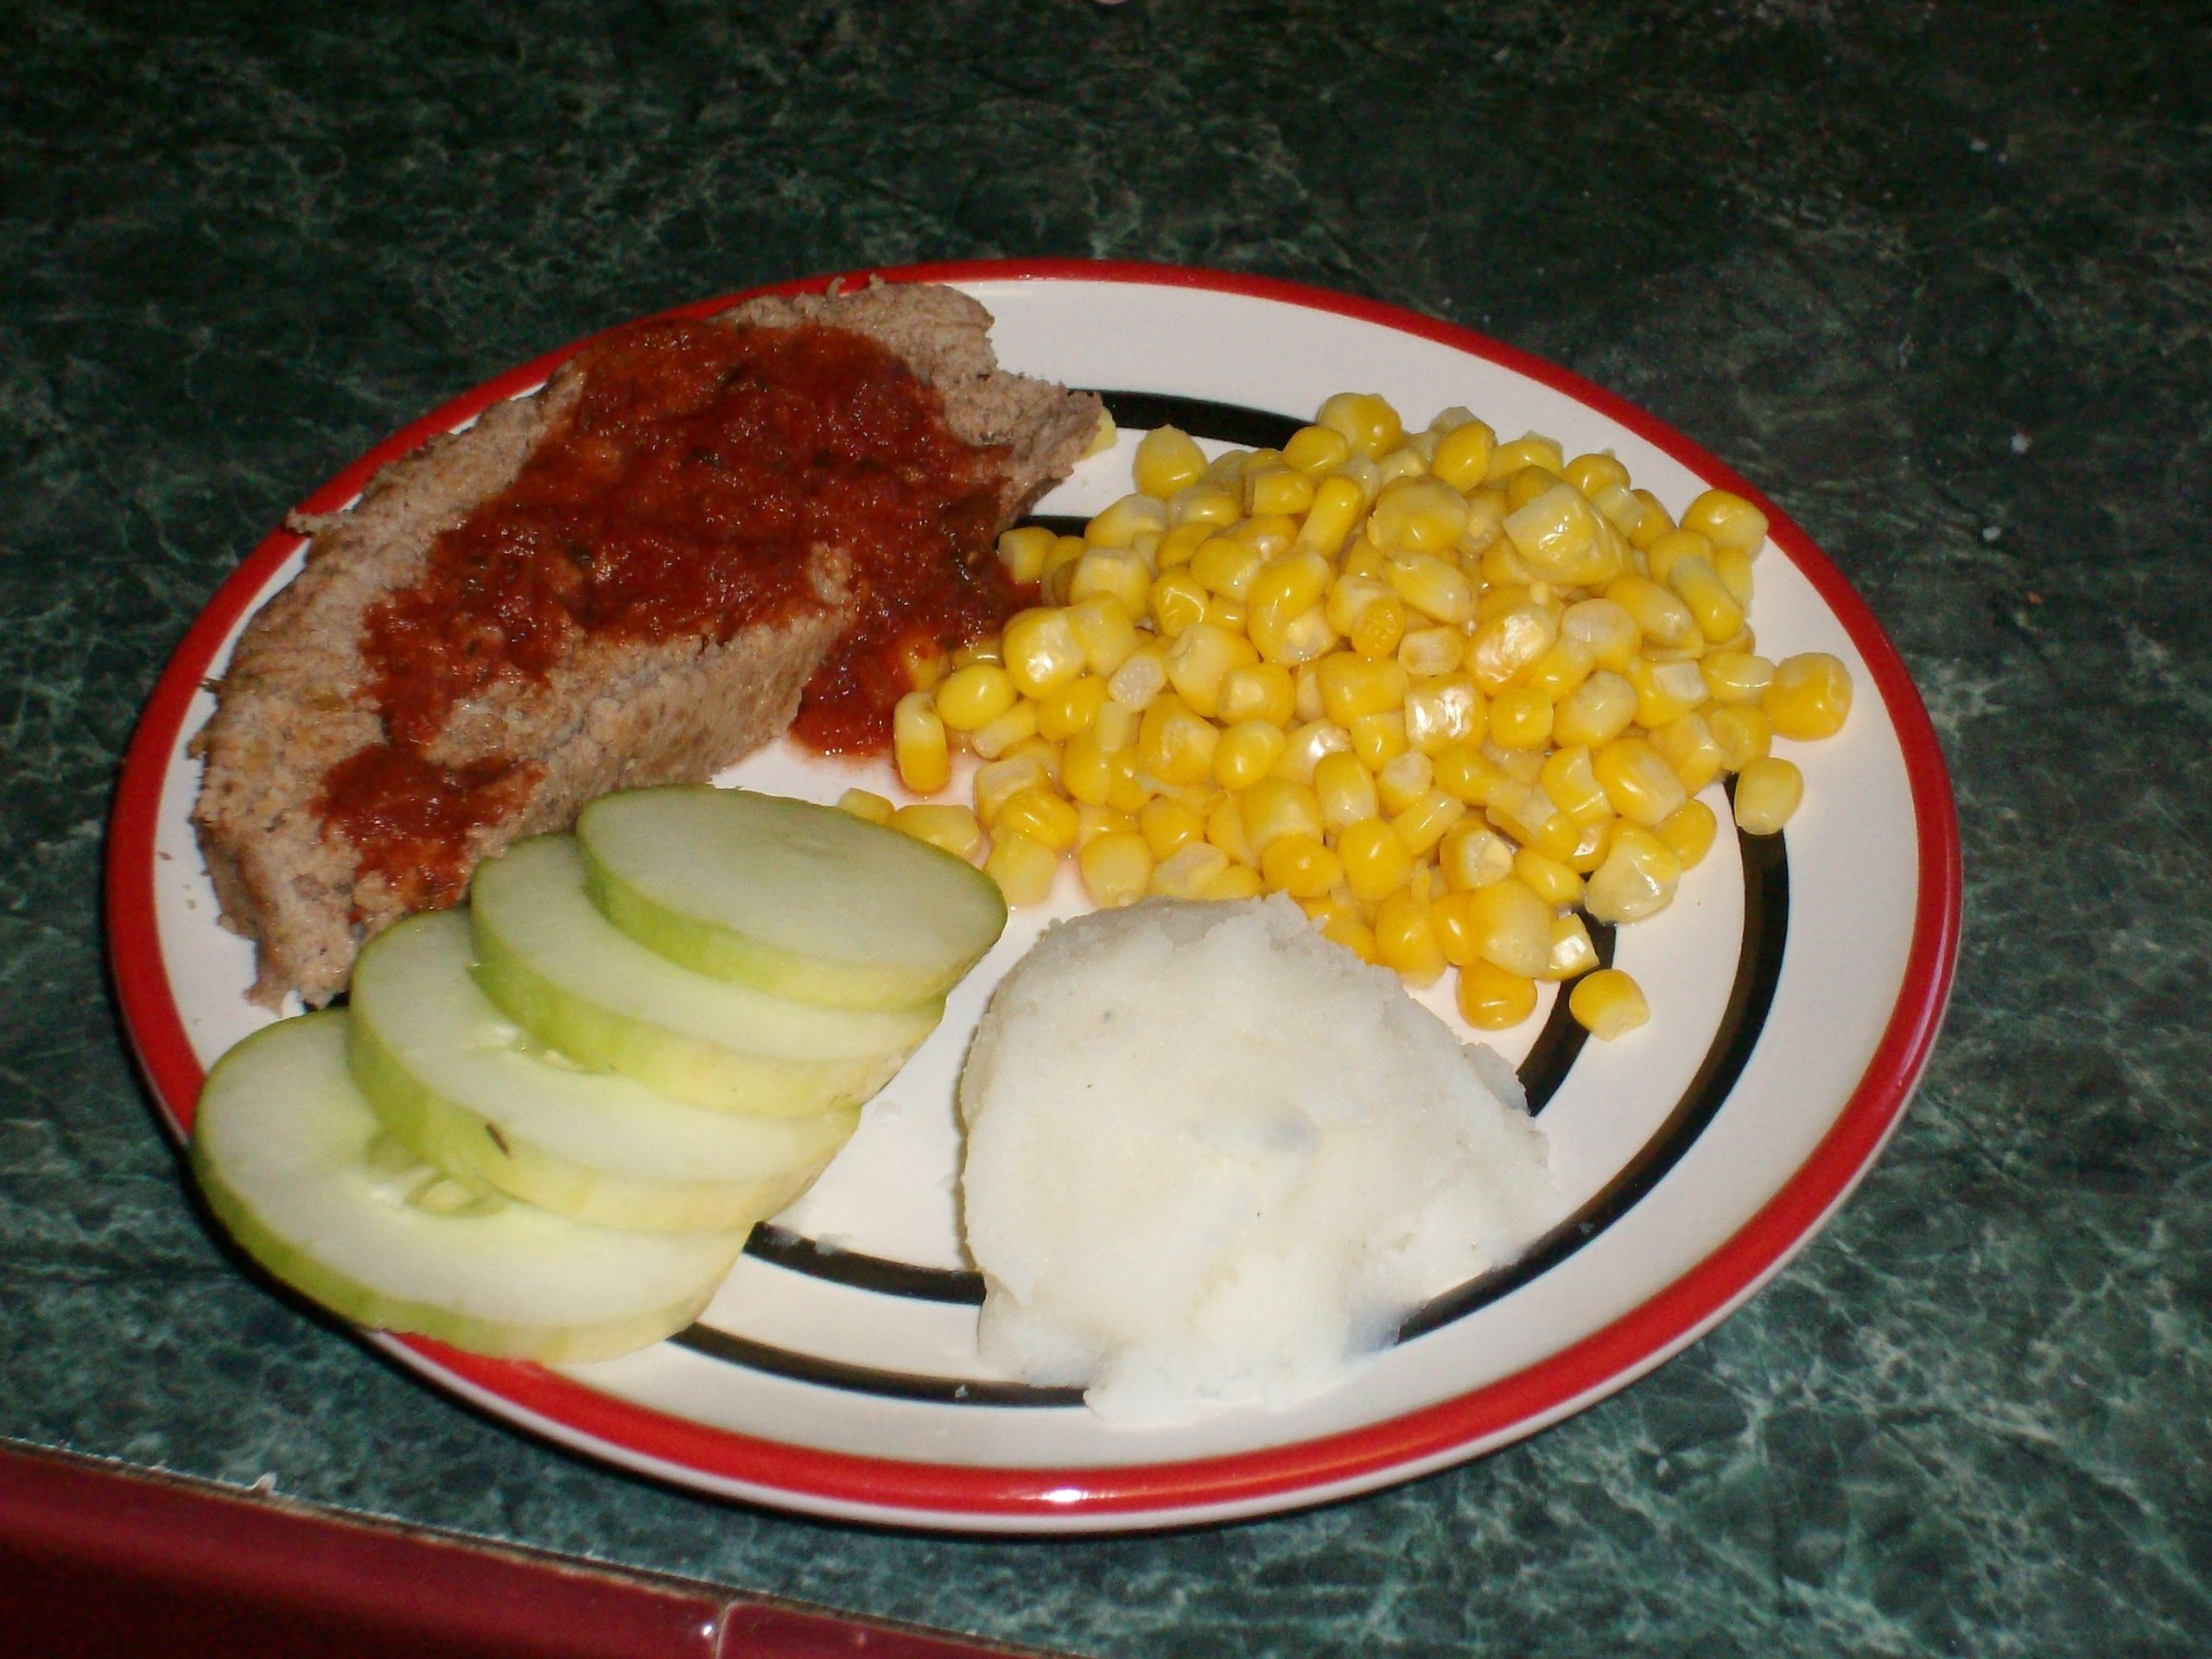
(919, 1494)
(398, 1586)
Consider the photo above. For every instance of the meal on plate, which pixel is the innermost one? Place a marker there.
(1176, 1208)
(635, 576)
(1419, 702)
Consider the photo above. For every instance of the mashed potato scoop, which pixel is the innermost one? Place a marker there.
(1212, 1158)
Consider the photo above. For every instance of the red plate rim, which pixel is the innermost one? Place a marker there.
(1274, 1477)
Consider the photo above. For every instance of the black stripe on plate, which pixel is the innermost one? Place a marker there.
(799, 1253)
(1239, 425)
(734, 1350)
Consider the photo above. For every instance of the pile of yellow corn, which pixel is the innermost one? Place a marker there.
(1452, 695)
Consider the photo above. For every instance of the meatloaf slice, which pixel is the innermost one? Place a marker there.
(297, 698)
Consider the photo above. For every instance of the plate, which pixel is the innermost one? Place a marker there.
(1796, 987)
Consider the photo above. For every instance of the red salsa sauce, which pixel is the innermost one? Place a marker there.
(684, 494)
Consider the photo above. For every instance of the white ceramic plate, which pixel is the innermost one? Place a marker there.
(1796, 986)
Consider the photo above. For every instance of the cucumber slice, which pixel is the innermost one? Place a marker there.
(801, 901)
(461, 1087)
(578, 983)
(295, 1166)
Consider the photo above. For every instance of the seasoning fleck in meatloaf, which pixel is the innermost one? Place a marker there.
(300, 696)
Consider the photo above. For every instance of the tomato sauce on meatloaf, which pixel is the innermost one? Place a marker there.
(698, 471)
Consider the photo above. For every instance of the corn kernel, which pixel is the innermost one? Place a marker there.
(1236, 881)
(1665, 690)
(1345, 789)
(1462, 454)
(1520, 718)
(1126, 789)
(1404, 942)
(1039, 814)
(1380, 738)
(1510, 644)
(1767, 792)
(1142, 676)
(1225, 830)
(1402, 781)
(1608, 1004)
(1691, 749)
(1428, 651)
(1809, 697)
(1558, 536)
(1167, 461)
(1337, 503)
(1375, 859)
(1637, 878)
(1074, 707)
(1560, 670)
(1444, 709)
(953, 829)
(1381, 625)
(1719, 616)
(866, 803)
(1572, 954)
(1340, 923)
(1276, 806)
(1087, 769)
(1167, 826)
(1690, 830)
(1116, 869)
(1257, 691)
(1420, 515)
(1491, 998)
(1534, 450)
(1316, 449)
(1606, 627)
(1434, 585)
(969, 696)
(1637, 781)
(1507, 923)
(1590, 843)
(1023, 869)
(1120, 524)
(1526, 813)
(1060, 559)
(995, 785)
(1224, 612)
(1742, 731)
(1178, 544)
(1022, 551)
(1661, 556)
(1464, 771)
(1199, 659)
(996, 737)
(1246, 752)
(1203, 504)
(1175, 744)
(1595, 712)
(1733, 566)
(1353, 685)
(1472, 855)
(1657, 521)
(1727, 519)
(1301, 865)
(1735, 676)
(1039, 650)
(1226, 566)
(1121, 572)
(1307, 744)
(1661, 618)
(1092, 821)
(1590, 472)
(1527, 485)
(1364, 421)
(1278, 490)
(1424, 821)
(1304, 638)
(1269, 534)
(1548, 879)
(918, 745)
(1188, 871)
(1176, 599)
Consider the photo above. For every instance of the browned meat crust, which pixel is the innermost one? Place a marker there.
(293, 701)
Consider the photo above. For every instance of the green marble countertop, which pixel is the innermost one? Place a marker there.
(1935, 276)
